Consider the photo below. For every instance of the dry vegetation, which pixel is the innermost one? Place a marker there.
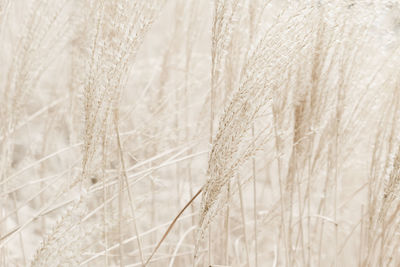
(199, 133)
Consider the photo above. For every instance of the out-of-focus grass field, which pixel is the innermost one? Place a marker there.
(115, 113)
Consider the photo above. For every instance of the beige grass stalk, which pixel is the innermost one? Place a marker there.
(192, 36)
(130, 195)
(242, 212)
(254, 14)
(225, 13)
(29, 61)
(111, 52)
(252, 95)
(311, 109)
(230, 148)
(383, 202)
(127, 47)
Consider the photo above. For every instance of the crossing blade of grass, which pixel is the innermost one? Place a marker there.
(172, 225)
